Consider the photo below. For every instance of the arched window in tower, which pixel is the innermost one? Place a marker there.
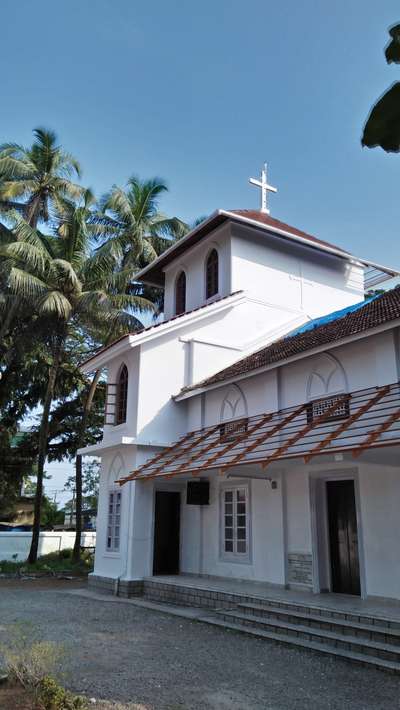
(122, 396)
(180, 294)
(212, 274)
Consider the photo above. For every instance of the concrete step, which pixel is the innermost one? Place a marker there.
(347, 655)
(210, 597)
(373, 632)
(328, 612)
(356, 644)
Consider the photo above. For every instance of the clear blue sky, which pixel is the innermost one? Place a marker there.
(202, 93)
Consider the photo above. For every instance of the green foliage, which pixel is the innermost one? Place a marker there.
(67, 269)
(50, 515)
(90, 483)
(382, 127)
(53, 563)
(35, 180)
(52, 696)
(16, 462)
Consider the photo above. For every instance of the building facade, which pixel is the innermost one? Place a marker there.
(254, 434)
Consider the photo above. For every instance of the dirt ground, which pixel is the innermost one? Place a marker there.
(132, 656)
(14, 698)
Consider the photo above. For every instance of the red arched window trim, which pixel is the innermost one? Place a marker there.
(212, 274)
(122, 396)
(180, 294)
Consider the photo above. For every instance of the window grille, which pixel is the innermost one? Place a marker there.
(230, 430)
(235, 521)
(320, 406)
(114, 521)
(110, 403)
(180, 294)
(212, 285)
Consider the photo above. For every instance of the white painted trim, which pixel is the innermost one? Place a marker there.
(314, 373)
(133, 340)
(124, 441)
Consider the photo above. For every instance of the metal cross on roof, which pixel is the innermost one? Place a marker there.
(265, 188)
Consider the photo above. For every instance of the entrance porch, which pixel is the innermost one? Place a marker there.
(216, 592)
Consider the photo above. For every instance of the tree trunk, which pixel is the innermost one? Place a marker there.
(43, 437)
(78, 467)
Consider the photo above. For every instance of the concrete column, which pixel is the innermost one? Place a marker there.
(140, 530)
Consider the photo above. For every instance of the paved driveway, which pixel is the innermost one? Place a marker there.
(129, 654)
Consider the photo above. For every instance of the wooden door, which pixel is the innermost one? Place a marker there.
(343, 537)
(166, 532)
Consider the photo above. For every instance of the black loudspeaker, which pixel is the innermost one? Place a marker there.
(198, 493)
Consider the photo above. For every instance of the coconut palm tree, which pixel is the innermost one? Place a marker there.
(34, 182)
(69, 289)
(133, 227)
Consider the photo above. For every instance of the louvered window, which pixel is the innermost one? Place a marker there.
(320, 406)
(212, 274)
(180, 294)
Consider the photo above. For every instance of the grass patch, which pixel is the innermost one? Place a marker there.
(53, 563)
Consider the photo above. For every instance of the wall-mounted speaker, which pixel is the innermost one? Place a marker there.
(198, 493)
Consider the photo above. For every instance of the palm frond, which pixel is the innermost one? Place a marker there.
(25, 284)
(55, 303)
(31, 257)
(64, 269)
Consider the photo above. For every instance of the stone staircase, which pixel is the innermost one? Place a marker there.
(352, 635)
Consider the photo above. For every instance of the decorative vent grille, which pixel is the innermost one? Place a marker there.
(319, 407)
(230, 430)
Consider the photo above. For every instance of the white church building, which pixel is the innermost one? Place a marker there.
(253, 436)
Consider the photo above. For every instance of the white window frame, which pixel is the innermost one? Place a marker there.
(114, 506)
(234, 555)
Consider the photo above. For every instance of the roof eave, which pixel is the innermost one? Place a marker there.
(141, 275)
(132, 340)
(210, 222)
(299, 356)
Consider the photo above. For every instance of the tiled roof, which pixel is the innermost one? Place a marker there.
(269, 221)
(163, 322)
(376, 311)
(349, 422)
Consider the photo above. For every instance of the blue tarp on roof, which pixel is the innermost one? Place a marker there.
(323, 320)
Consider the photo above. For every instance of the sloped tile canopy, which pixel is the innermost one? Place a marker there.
(353, 422)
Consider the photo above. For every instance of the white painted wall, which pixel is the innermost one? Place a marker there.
(130, 358)
(378, 497)
(363, 363)
(114, 465)
(15, 546)
(380, 505)
(193, 264)
(292, 275)
(201, 534)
